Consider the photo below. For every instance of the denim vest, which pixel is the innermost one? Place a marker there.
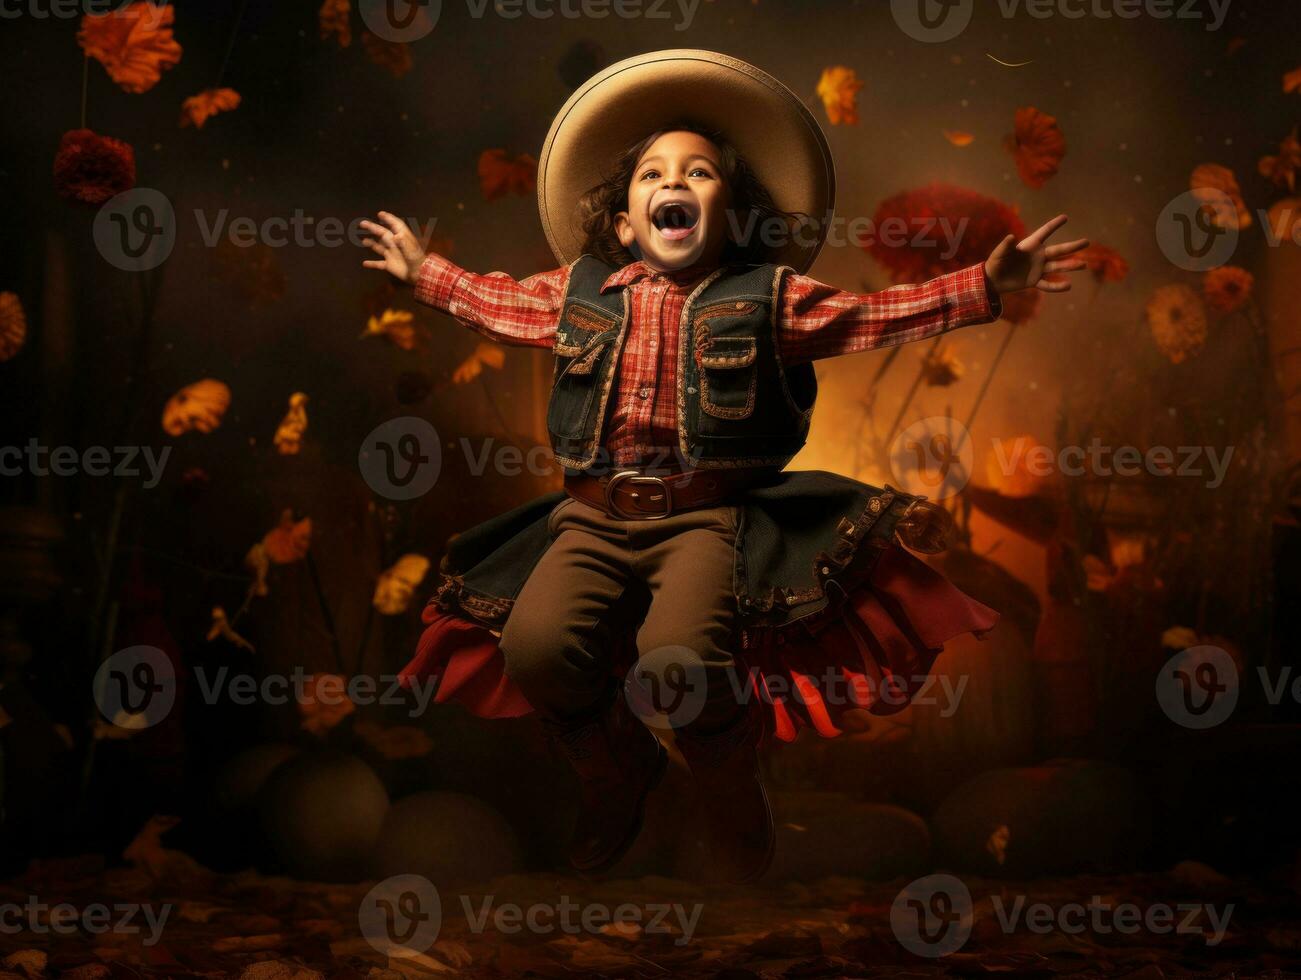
(737, 404)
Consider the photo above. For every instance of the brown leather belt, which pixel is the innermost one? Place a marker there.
(631, 494)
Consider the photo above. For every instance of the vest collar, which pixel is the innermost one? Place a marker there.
(636, 270)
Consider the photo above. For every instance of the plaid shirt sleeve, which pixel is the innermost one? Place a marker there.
(821, 321)
(523, 313)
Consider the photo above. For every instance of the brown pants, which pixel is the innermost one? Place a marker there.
(556, 639)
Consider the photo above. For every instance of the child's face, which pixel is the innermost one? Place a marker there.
(677, 204)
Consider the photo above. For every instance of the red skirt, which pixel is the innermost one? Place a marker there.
(870, 651)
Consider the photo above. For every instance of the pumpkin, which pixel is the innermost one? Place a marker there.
(199, 406)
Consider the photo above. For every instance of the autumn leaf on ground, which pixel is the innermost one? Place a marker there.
(499, 175)
(1217, 189)
(398, 326)
(148, 853)
(289, 435)
(397, 583)
(324, 702)
(1281, 168)
(838, 89)
(1037, 145)
(393, 57)
(959, 138)
(333, 20)
(1106, 264)
(221, 628)
(197, 109)
(134, 43)
(289, 541)
(486, 353)
(13, 326)
(197, 407)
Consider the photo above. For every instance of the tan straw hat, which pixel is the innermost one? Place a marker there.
(626, 102)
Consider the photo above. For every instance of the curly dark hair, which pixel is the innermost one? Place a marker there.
(752, 204)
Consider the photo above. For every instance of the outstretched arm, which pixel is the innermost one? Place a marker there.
(1025, 264)
(521, 313)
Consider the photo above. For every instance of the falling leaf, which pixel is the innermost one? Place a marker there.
(398, 326)
(398, 742)
(13, 325)
(997, 843)
(1217, 189)
(838, 89)
(289, 541)
(1037, 145)
(134, 43)
(499, 175)
(1281, 168)
(221, 628)
(1292, 81)
(941, 367)
(396, 584)
(1227, 288)
(334, 22)
(1106, 264)
(958, 138)
(197, 109)
(197, 407)
(289, 435)
(323, 703)
(486, 353)
(259, 563)
(393, 56)
(1179, 638)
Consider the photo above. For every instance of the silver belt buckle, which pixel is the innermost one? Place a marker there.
(636, 478)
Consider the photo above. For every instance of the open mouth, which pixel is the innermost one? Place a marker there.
(675, 220)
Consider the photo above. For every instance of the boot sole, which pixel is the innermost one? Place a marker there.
(657, 774)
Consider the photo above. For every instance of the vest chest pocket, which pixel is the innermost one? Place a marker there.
(728, 369)
(582, 341)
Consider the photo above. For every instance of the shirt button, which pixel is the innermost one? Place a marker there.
(654, 343)
(643, 392)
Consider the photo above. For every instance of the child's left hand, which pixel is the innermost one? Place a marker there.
(1012, 267)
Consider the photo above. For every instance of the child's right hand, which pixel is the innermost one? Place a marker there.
(401, 253)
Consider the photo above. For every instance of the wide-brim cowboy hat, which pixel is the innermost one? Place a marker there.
(767, 123)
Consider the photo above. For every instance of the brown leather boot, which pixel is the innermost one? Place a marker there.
(618, 762)
(738, 820)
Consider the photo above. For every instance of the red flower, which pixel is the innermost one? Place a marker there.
(1037, 145)
(92, 168)
(1106, 264)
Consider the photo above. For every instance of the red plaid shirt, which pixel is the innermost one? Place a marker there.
(815, 321)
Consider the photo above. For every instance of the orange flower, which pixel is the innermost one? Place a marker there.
(197, 407)
(289, 541)
(393, 57)
(499, 175)
(134, 43)
(324, 702)
(1105, 263)
(333, 20)
(1227, 288)
(941, 367)
(399, 327)
(959, 138)
(197, 108)
(1281, 169)
(486, 353)
(1221, 198)
(1037, 145)
(838, 89)
(13, 325)
(1177, 319)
